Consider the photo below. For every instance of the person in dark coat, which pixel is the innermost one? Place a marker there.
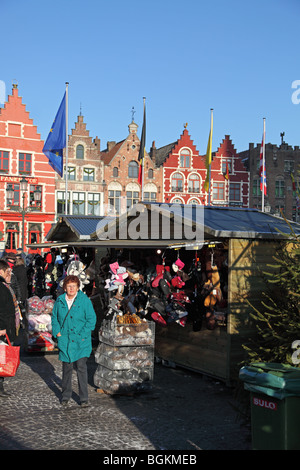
(20, 271)
(10, 258)
(7, 312)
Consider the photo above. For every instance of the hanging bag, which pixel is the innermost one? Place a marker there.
(9, 359)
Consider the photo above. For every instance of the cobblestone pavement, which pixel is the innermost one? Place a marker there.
(183, 411)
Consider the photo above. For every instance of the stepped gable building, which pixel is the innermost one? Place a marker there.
(27, 181)
(121, 168)
(184, 173)
(230, 179)
(282, 166)
(85, 174)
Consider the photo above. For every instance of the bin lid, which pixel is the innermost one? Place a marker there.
(272, 375)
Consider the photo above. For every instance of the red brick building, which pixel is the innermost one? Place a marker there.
(184, 174)
(183, 171)
(230, 180)
(22, 160)
(121, 168)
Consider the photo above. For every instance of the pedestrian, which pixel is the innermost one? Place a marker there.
(73, 320)
(7, 312)
(20, 271)
(11, 257)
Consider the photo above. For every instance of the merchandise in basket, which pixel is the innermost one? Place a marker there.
(129, 334)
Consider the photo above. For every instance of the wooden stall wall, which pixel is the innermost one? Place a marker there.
(248, 261)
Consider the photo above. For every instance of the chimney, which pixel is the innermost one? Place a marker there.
(153, 152)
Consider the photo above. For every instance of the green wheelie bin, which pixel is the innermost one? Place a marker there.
(275, 405)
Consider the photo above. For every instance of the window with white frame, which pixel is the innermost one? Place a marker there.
(234, 192)
(78, 203)
(89, 174)
(60, 202)
(93, 204)
(185, 158)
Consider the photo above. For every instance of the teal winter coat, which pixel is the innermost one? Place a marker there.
(75, 341)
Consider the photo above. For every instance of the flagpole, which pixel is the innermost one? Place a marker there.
(66, 174)
(263, 169)
(144, 100)
(209, 181)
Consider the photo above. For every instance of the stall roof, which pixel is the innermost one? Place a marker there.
(76, 227)
(217, 223)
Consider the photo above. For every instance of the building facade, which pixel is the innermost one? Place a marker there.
(85, 175)
(121, 169)
(24, 174)
(282, 173)
(184, 174)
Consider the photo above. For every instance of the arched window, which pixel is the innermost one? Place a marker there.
(150, 173)
(185, 158)
(133, 169)
(115, 172)
(177, 182)
(80, 152)
(194, 183)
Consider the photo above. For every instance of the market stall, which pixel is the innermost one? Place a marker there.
(235, 247)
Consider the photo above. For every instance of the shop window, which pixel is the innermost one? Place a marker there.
(218, 191)
(133, 170)
(4, 161)
(25, 163)
(177, 182)
(80, 152)
(12, 236)
(78, 203)
(93, 204)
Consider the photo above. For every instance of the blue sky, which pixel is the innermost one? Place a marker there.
(238, 57)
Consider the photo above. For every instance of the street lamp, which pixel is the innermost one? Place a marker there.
(37, 194)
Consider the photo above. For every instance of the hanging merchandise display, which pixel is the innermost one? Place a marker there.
(39, 320)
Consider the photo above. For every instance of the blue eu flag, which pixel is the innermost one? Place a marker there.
(56, 140)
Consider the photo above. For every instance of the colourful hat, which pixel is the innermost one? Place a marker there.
(179, 263)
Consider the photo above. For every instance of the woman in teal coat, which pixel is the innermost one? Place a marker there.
(73, 320)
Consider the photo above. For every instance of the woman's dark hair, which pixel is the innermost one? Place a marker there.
(69, 279)
(4, 265)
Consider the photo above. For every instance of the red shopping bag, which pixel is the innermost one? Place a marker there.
(9, 359)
